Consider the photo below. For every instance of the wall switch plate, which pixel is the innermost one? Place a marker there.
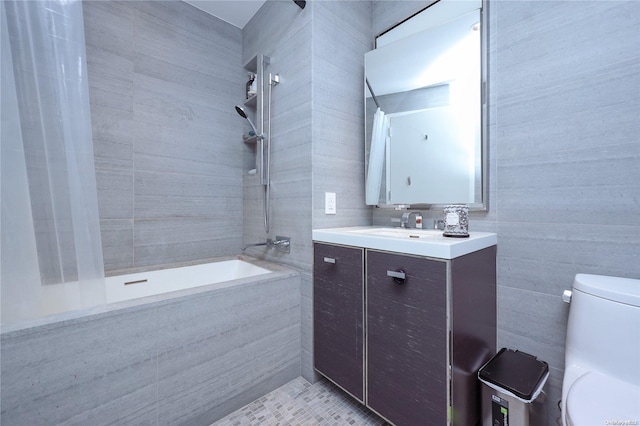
(329, 203)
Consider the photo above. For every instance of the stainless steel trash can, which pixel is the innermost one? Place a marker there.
(513, 390)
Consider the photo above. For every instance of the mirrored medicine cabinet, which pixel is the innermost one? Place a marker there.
(425, 110)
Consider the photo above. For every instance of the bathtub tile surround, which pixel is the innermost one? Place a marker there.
(163, 79)
(283, 32)
(108, 29)
(306, 331)
(190, 359)
(98, 369)
(226, 346)
(317, 117)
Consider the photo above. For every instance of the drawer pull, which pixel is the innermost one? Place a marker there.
(399, 276)
(329, 260)
(135, 282)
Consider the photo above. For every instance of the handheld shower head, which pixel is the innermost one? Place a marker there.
(240, 111)
(244, 115)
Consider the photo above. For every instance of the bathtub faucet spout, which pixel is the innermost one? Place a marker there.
(254, 245)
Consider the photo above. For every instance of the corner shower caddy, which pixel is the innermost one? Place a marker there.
(262, 139)
(255, 103)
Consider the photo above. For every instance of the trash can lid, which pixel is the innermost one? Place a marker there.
(515, 371)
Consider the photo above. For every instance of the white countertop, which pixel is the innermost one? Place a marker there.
(421, 242)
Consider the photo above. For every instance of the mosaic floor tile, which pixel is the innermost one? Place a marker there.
(300, 403)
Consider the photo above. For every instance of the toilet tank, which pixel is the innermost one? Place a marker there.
(603, 332)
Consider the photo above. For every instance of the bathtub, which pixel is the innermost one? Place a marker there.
(186, 345)
(143, 284)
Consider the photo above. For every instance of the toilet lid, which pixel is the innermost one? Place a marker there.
(595, 399)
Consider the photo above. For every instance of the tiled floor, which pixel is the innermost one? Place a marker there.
(301, 403)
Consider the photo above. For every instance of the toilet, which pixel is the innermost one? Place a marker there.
(601, 383)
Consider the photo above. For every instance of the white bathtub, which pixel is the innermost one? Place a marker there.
(221, 335)
(142, 284)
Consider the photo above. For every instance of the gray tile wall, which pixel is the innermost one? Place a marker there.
(190, 360)
(388, 13)
(164, 78)
(564, 161)
(283, 31)
(567, 128)
(564, 147)
(317, 129)
(341, 36)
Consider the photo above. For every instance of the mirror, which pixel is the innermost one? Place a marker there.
(424, 111)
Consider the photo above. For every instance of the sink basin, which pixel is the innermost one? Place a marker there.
(400, 232)
(421, 242)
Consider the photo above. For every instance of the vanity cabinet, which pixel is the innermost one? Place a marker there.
(430, 324)
(338, 327)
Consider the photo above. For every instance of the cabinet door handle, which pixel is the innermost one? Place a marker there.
(398, 276)
(329, 260)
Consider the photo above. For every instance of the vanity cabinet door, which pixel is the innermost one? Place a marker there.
(407, 339)
(338, 317)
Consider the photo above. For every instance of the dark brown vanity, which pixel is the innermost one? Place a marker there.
(403, 333)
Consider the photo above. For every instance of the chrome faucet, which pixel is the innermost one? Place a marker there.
(404, 221)
(254, 245)
(281, 244)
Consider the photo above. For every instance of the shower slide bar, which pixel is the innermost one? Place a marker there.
(263, 138)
